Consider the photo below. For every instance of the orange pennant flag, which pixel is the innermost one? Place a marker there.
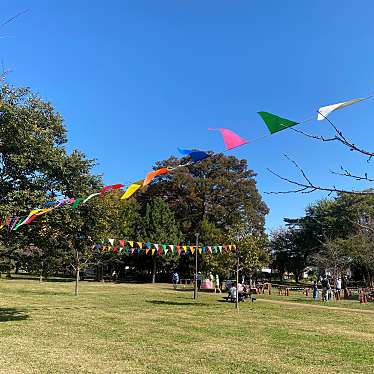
(150, 176)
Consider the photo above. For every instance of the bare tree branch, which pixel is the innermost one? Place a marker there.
(347, 173)
(307, 186)
(13, 18)
(339, 137)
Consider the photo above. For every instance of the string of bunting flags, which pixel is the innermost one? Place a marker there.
(134, 247)
(231, 140)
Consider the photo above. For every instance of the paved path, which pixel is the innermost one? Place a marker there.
(295, 304)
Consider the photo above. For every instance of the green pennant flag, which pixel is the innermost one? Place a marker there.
(77, 202)
(275, 123)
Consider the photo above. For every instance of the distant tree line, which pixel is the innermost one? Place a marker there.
(335, 236)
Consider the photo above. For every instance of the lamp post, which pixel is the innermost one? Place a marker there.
(197, 245)
(237, 280)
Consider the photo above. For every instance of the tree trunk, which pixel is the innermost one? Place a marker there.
(76, 281)
(41, 273)
(154, 271)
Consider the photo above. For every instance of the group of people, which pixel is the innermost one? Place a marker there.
(328, 292)
(199, 278)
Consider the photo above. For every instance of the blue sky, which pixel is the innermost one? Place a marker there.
(136, 79)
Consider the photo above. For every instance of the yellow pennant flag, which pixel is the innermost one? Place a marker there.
(192, 249)
(153, 251)
(200, 250)
(131, 190)
(131, 243)
(184, 248)
(147, 251)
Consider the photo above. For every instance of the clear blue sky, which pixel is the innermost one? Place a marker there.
(136, 79)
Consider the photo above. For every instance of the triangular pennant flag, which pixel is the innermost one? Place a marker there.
(131, 243)
(220, 248)
(148, 245)
(19, 224)
(209, 249)
(200, 250)
(171, 248)
(153, 251)
(132, 250)
(147, 251)
(77, 202)
(131, 190)
(139, 251)
(111, 187)
(204, 249)
(198, 156)
(156, 246)
(215, 249)
(185, 152)
(120, 250)
(230, 247)
(115, 249)
(324, 111)
(234, 247)
(164, 247)
(192, 249)
(90, 197)
(122, 243)
(150, 176)
(184, 247)
(14, 223)
(139, 244)
(179, 251)
(111, 241)
(231, 139)
(159, 251)
(275, 123)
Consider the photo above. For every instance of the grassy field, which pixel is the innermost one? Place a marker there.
(129, 328)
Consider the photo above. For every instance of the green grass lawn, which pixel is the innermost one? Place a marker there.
(129, 328)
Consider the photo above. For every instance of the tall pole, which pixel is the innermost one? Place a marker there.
(237, 280)
(197, 245)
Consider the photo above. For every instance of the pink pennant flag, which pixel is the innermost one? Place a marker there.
(231, 139)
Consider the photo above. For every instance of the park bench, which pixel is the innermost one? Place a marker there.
(242, 297)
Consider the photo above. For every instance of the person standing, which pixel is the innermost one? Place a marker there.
(175, 279)
(325, 288)
(338, 287)
(199, 278)
(315, 291)
(216, 285)
(232, 292)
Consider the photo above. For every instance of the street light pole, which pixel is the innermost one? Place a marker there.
(197, 245)
(237, 280)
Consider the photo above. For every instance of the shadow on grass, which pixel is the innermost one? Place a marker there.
(167, 302)
(12, 314)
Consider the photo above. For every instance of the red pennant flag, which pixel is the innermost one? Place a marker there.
(122, 243)
(111, 187)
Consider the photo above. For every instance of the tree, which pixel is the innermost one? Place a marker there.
(35, 168)
(159, 226)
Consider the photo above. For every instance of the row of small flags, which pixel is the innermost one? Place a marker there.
(129, 246)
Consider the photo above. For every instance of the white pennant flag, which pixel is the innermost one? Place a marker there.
(111, 241)
(326, 110)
